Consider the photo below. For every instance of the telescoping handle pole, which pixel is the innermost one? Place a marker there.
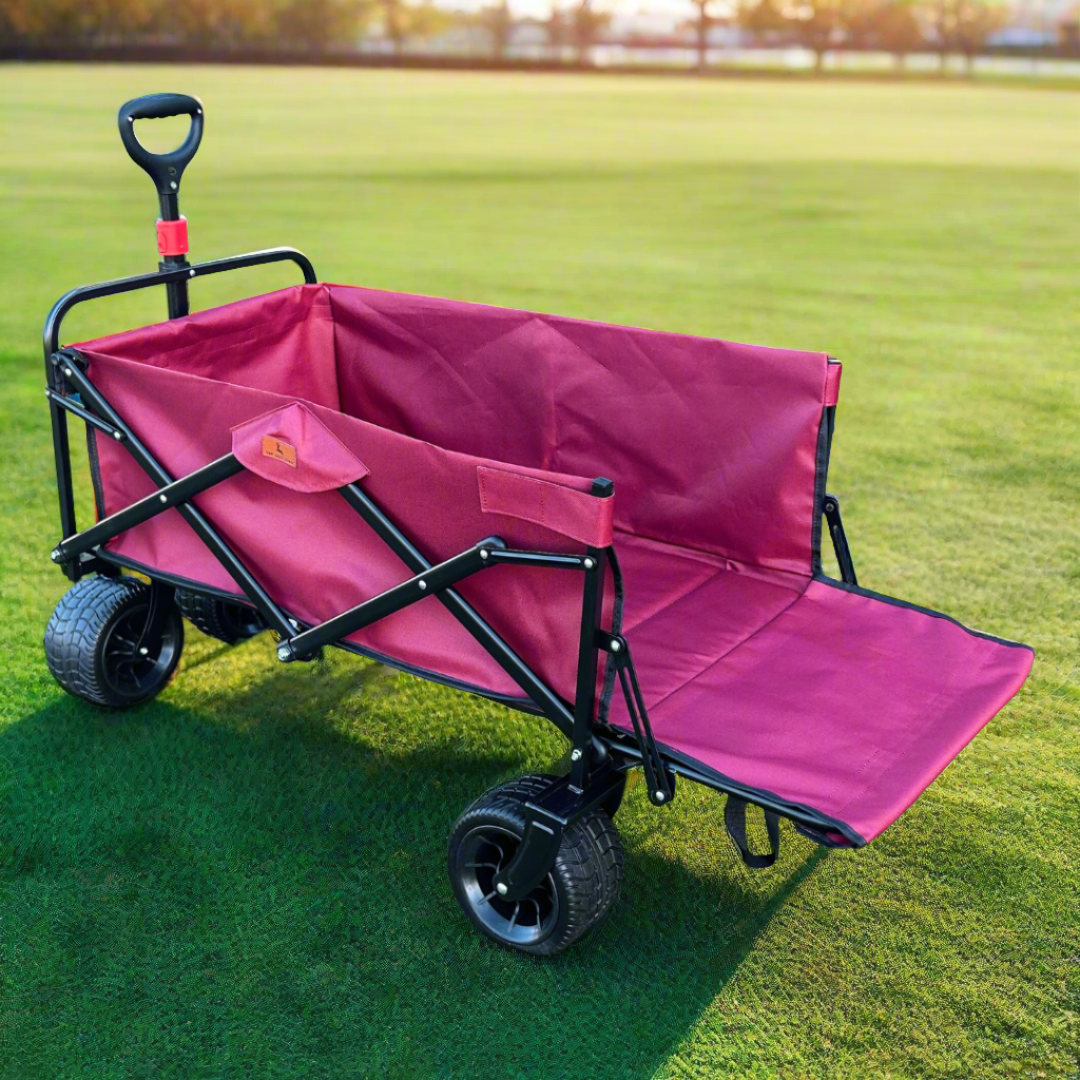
(166, 171)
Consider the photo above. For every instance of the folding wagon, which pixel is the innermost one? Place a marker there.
(615, 528)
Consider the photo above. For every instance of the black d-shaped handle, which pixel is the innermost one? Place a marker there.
(164, 169)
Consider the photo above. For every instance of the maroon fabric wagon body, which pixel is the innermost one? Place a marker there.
(464, 421)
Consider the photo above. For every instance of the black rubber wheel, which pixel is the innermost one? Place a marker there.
(91, 642)
(575, 897)
(220, 619)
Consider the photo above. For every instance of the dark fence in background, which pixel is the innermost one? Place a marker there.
(369, 58)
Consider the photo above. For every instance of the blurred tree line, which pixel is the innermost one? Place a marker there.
(898, 27)
(224, 23)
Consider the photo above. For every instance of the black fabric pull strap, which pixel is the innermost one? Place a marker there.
(735, 823)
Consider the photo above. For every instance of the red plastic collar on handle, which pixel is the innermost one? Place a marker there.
(172, 238)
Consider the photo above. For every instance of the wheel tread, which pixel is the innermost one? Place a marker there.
(207, 613)
(74, 630)
(589, 864)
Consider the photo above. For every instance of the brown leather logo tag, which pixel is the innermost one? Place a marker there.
(278, 450)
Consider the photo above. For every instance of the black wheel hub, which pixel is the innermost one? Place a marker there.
(132, 670)
(482, 853)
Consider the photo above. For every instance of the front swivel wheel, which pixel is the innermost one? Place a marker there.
(574, 897)
(97, 646)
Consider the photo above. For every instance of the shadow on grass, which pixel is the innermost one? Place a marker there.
(230, 890)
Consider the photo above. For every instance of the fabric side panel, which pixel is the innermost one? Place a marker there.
(711, 445)
(312, 552)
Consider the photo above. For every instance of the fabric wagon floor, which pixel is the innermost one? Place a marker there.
(824, 695)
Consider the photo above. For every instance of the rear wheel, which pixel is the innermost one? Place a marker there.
(219, 619)
(575, 896)
(95, 648)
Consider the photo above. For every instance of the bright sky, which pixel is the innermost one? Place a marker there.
(675, 11)
(665, 9)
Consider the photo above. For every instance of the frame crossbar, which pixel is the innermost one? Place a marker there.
(179, 491)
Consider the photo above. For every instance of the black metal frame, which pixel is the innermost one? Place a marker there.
(601, 754)
(60, 404)
(830, 508)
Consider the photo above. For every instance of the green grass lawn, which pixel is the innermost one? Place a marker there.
(246, 877)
